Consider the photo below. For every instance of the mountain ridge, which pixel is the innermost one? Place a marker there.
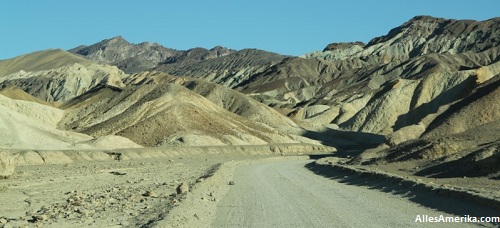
(133, 58)
(419, 84)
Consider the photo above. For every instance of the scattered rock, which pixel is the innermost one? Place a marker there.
(231, 183)
(150, 194)
(3, 221)
(124, 223)
(183, 188)
(118, 173)
(41, 218)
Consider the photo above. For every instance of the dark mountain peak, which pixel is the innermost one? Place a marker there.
(115, 41)
(198, 54)
(133, 58)
(221, 51)
(425, 18)
(343, 45)
(126, 56)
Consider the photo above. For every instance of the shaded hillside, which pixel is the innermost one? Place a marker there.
(223, 97)
(230, 70)
(159, 114)
(392, 82)
(462, 140)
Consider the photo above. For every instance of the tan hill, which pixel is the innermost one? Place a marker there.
(29, 125)
(38, 61)
(16, 93)
(230, 100)
(57, 75)
(153, 112)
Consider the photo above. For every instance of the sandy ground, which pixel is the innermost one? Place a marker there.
(97, 194)
(225, 191)
(287, 194)
(292, 192)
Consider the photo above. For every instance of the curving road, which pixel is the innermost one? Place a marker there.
(287, 194)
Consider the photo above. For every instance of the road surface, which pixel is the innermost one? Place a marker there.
(287, 194)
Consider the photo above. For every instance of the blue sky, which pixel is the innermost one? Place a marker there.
(284, 26)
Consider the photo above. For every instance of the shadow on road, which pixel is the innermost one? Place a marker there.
(423, 197)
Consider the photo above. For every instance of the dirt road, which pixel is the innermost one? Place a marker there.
(287, 194)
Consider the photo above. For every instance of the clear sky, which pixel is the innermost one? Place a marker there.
(284, 26)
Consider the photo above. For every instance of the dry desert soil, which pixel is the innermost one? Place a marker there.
(242, 190)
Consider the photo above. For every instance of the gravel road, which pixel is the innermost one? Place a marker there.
(287, 194)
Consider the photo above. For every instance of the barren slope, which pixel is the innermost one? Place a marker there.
(155, 114)
(56, 75)
(390, 83)
(29, 125)
(462, 141)
(40, 60)
(230, 70)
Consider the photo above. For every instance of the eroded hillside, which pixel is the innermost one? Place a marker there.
(427, 82)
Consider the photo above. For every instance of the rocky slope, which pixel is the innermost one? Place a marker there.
(220, 65)
(392, 82)
(133, 58)
(154, 109)
(230, 70)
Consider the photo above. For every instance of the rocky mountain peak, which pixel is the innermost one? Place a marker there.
(220, 51)
(425, 18)
(432, 29)
(117, 40)
(343, 45)
(133, 58)
(419, 36)
(126, 56)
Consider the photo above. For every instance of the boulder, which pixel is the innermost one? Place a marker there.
(183, 188)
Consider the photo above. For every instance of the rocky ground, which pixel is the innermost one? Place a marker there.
(98, 194)
(187, 191)
(119, 188)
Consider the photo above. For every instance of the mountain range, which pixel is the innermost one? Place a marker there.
(427, 91)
